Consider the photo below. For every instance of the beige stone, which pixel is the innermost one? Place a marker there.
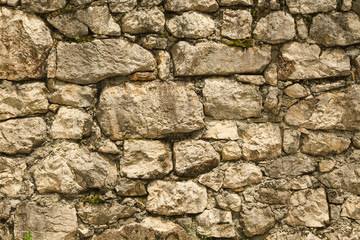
(236, 24)
(242, 174)
(226, 130)
(272, 196)
(108, 146)
(190, 5)
(229, 201)
(273, 100)
(164, 65)
(121, 6)
(308, 6)
(252, 79)
(296, 91)
(5, 208)
(326, 165)
(328, 86)
(216, 223)
(213, 179)
(291, 140)
(68, 25)
(11, 178)
(257, 220)
(236, 2)
(42, 6)
(150, 20)
(154, 41)
(351, 208)
(231, 151)
(300, 183)
(302, 29)
(271, 74)
(356, 140)
(130, 188)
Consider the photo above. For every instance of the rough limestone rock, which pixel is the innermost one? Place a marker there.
(231, 151)
(351, 208)
(272, 196)
(216, 223)
(236, 2)
(211, 58)
(130, 188)
(190, 5)
(145, 159)
(326, 165)
(193, 157)
(213, 179)
(228, 99)
(304, 61)
(262, 141)
(236, 24)
(229, 201)
(144, 21)
(335, 110)
(308, 208)
(121, 6)
(336, 29)
(5, 209)
(81, 2)
(277, 27)
(252, 79)
(23, 33)
(71, 123)
(18, 100)
(356, 140)
(99, 20)
(11, 177)
(308, 6)
(42, 6)
(176, 198)
(226, 130)
(68, 25)
(296, 91)
(94, 61)
(164, 65)
(149, 110)
(321, 143)
(191, 25)
(69, 169)
(257, 220)
(46, 222)
(21, 135)
(291, 140)
(357, 64)
(242, 174)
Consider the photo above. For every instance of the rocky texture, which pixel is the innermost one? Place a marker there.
(236, 2)
(291, 140)
(130, 188)
(5, 208)
(216, 223)
(94, 61)
(164, 65)
(231, 151)
(357, 64)
(11, 178)
(120, 6)
(238, 175)
(144, 21)
(351, 208)
(68, 25)
(356, 140)
(187, 5)
(136, 105)
(236, 24)
(296, 91)
(211, 58)
(42, 6)
(213, 179)
(145, 159)
(257, 220)
(307, 6)
(229, 201)
(252, 79)
(221, 130)
(326, 165)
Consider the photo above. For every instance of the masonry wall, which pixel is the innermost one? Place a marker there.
(179, 119)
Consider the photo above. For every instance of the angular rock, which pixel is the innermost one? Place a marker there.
(213, 179)
(252, 79)
(308, 208)
(21, 135)
(130, 188)
(193, 157)
(271, 74)
(216, 223)
(18, 100)
(23, 33)
(271, 103)
(145, 159)
(291, 140)
(231, 151)
(211, 58)
(328, 86)
(121, 6)
(94, 61)
(272, 196)
(242, 174)
(108, 146)
(301, 235)
(229, 201)
(153, 41)
(296, 91)
(5, 209)
(257, 220)
(149, 110)
(227, 99)
(190, 5)
(150, 3)
(236, 2)
(68, 25)
(69, 169)
(326, 165)
(300, 183)
(308, 6)
(11, 178)
(302, 29)
(81, 2)
(143, 21)
(164, 65)
(351, 208)
(336, 29)
(176, 198)
(236, 24)
(226, 130)
(304, 61)
(42, 6)
(142, 76)
(262, 141)
(335, 110)
(46, 222)
(277, 27)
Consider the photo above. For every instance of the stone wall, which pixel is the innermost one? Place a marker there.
(180, 119)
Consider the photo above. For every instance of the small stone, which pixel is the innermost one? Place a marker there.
(231, 151)
(271, 103)
(296, 91)
(143, 21)
(236, 2)
(109, 147)
(5, 209)
(302, 29)
(242, 174)
(13, 3)
(68, 25)
(142, 76)
(43, 6)
(190, 5)
(226, 130)
(356, 6)
(291, 141)
(346, 5)
(252, 79)
(11, 179)
(164, 65)
(356, 140)
(236, 24)
(153, 41)
(122, 6)
(257, 220)
(351, 208)
(328, 86)
(300, 183)
(81, 2)
(229, 201)
(193, 157)
(150, 3)
(307, 6)
(271, 75)
(326, 165)
(216, 223)
(213, 179)
(130, 188)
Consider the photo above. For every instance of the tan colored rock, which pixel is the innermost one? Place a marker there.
(226, 130)
(164, 65)
(356, 140)
(351, 208)
(23, 33)
(193, 157)
(308, 208)
(130, 188)
(236, 2)
(257, 220)
(229, 201)
(121, 6)
(300, 183)
(302, 29)
(213, 179)
(346, 5)
(328, 86)
(227, 99)
(272, 101)
(142, 76)
(211, 58)
(322, 143)
(143, 21)
(231, 151)
(5, 232)
(42, 6)
(11, 178)
(242, 174)
(261, 141)
(150, 3)
(68, 25)
(5, 208)
(296, 91)
(236, 24)
(149, 110)
(357, 64)
(326, 165)
(272, 196)
(291, 140)
(216, 223)
(154, 41)
(308, 6)
(283, 235)
(252, 79)
(190, 5)
(108, 146)
(271, 74)
(81, 2)
(145, 159)
(104, 58)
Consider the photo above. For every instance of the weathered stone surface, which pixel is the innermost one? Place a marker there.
(304, 61)
(69, 169)
(242, 174)
(335, 110)
(150, 3)
(272, 100)
(308, 208)
(229, 201)
(120, 6)
(262, 141)
(356, 140)
(322, 143)
(328, 86)
(213, 179)
(351, 208)
(94, 61)
(296, 91)
(153, 41)
(21, 135)
(283, 235)
(176, 198)
(257, 220)
(130, 188)
(193, 157)
(145, 159)
(231, 151)
(291, 140)
(190, 5)
(11, 178)
(300, 183)
(42, 6)
(326, 165)
(5, 209)
(227, 99)
(277, 27)
(236, 2)
(142, 76)
(236, 24)
(252, 79)
(302, 29)
(81, 2)
(272, 196)
(149, 110)
(290, 166)
(211, 58)
(346, 5)
(226, 130)
(357, 64)
(68, 25)
(216, 223)
(18, 100)
(164, 65)
(271, 74)
(109, 147)
(336, 29)
(308, 6)
(23, 33)
(191, 25)
(144, 21)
